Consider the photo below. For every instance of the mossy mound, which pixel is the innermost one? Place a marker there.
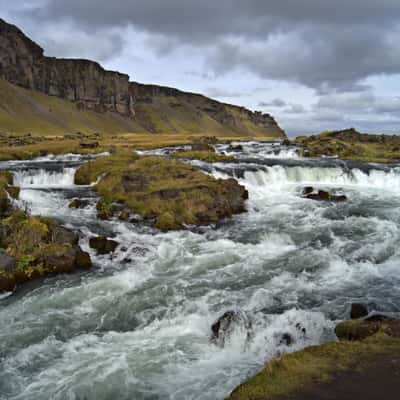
(168, 193)
(362, 342)
(208, 156)
(352, 145)
(39, 248)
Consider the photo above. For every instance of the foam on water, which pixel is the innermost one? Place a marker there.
(41, 178)
(138, 325)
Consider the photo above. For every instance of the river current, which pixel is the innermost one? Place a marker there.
(137, 326)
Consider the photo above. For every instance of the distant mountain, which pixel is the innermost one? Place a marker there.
(96, 99)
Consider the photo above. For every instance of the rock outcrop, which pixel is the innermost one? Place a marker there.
(144, 108)
(22, 62)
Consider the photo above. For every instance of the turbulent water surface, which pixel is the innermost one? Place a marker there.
(138, 325)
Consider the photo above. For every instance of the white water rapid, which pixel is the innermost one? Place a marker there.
(138, 325)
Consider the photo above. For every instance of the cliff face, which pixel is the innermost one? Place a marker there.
(203, 109)
(151, 108)
(85, 82)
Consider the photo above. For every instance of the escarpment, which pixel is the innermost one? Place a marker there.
(142, 108)
(22, 62)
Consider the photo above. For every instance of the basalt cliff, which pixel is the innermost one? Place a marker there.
(102, 98)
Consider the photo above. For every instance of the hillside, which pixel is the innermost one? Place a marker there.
(47, 95)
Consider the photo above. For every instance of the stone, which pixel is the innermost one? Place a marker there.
(61, 235)
(225, 325)
(358, 310)
(78, 203)
(7, 263)
(321, 195)
(103, 245)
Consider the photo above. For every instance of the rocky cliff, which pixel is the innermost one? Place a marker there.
(149, 108)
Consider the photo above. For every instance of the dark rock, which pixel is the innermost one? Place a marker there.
(62, 259)
(4, 233)
(7, 283)
(322, 195)
(103, 245)
(82, 260)
(377, 318)
(61, 235)
(78, 203)
(7, 263)
(89, 145)
(358, 310)
(202, 147)
(223, 328)
(238, 147)
(286, 339)
(308, 190)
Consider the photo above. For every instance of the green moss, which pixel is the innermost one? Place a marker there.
(351, 145)
(168, 192)
(208, 156)
(166, 222)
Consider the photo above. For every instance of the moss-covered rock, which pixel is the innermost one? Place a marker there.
(168, 193)
(39, 247)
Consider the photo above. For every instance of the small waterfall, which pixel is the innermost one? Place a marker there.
(278, 176)
(42, 178)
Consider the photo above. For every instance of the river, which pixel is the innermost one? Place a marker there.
(137, 326)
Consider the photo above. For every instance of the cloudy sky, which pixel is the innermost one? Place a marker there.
(313, 64)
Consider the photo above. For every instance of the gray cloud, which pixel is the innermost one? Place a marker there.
(323, 45)
(278, 103)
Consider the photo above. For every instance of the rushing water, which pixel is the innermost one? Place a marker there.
(138, 325)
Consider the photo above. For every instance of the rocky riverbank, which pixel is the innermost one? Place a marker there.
(364, 346)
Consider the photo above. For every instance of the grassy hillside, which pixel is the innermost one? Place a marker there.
(27, 111)
(23, 111)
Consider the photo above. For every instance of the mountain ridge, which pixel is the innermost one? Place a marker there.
(144, 107)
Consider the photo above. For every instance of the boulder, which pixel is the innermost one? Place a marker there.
(7, 263)
(358, 310)
(65, 258)
(61, 235)
(78, 203)
(321, 195)
(227, 324)
(103, 245)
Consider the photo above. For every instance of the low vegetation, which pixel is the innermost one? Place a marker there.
(167, 193)
(208, 156)
(352, 145)
(361, 342)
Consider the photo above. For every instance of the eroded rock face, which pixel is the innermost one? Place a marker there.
(23, 63)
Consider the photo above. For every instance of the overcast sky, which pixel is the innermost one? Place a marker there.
(313, 64)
